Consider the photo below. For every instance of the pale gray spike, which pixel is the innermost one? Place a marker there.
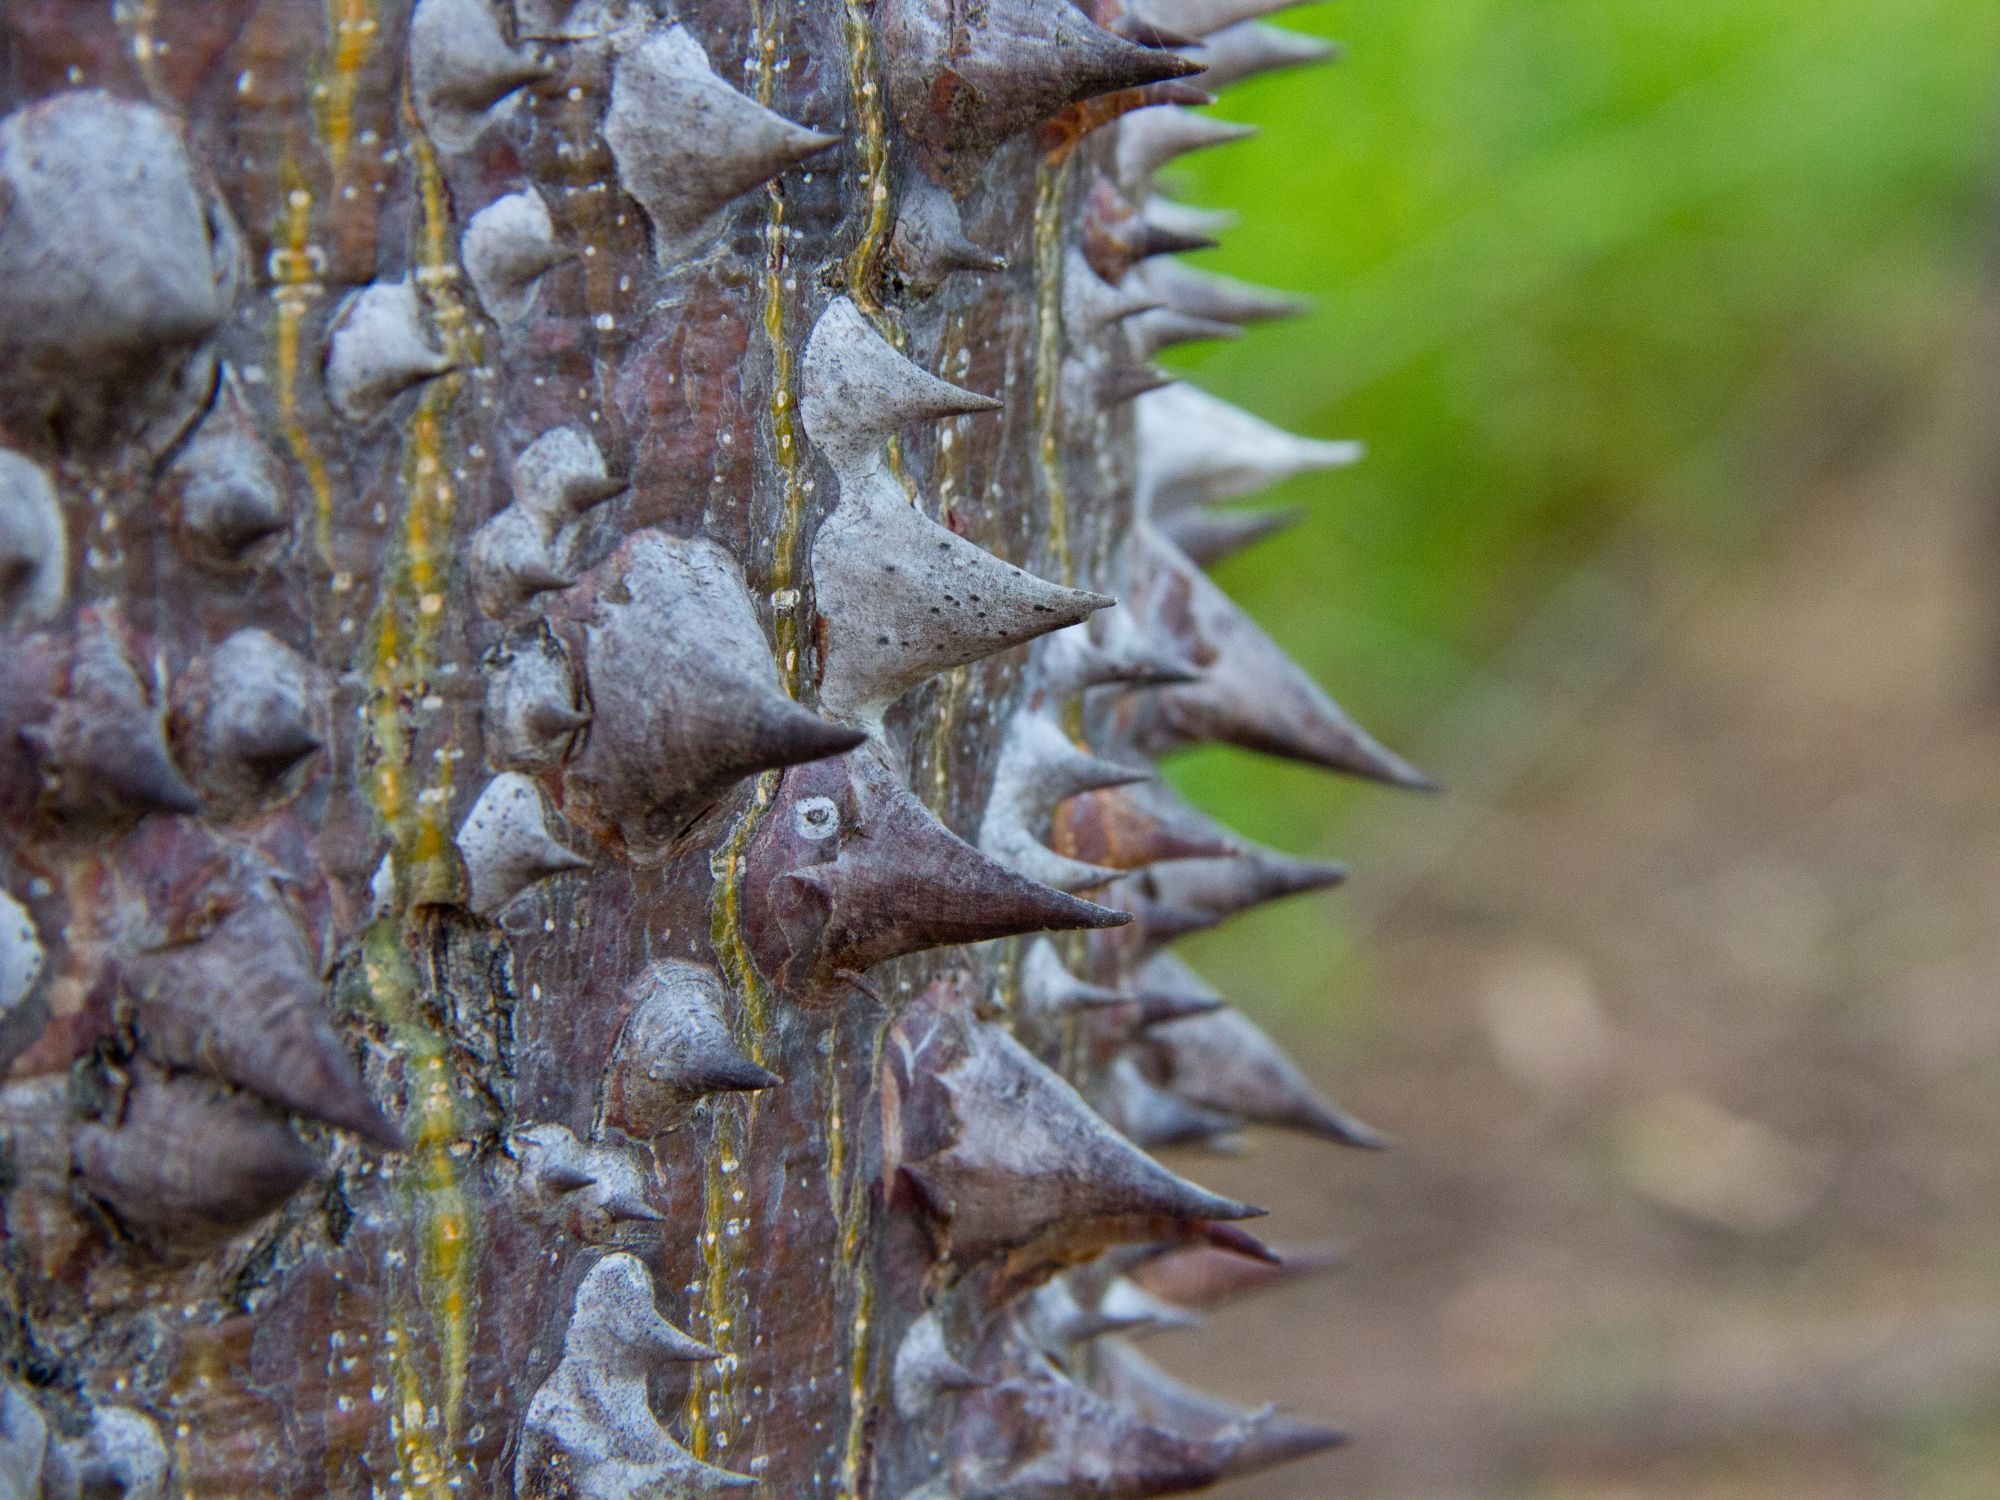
(617, 1194)
(1200, 18)
(1021, 852)
(1157, 1003)
(674, 1050)
(1152, 1117)
(34, 544)
(1266, 1436)
(860, 391)
(1150, 138)
(181, 1164)
(591, 1430)
(832, 892)
(1152, 333)
(929, 242)
(1177, 986)
(508, 845)
(926, 1370)
(1039, 768)
(251, 716)
(531, 714)
(116, 261)
(561, 476)
(962, 79)
(102, 750)
(1082, 380)
(379, 348)
(559, 20)
(685, 143)
(617, 1293)
(121, 1454)
(21, 953)
(242, 1000)
(561, 1177)
(1210, 295)
(1252, 694)
(1186, 222)
(1207, 534)
(685, 697)
(24, 1444)
(549, 1161)
(1153, 828)
(1249, 48)
(1073, 663)
(225, 485)
(1124, 1305)
(508, 246)
(511, 559)
(1090, 304)
(1028, 1157)
(1224, 886)
(1056, 1319)
(382, 888)
(1139, 237)
(591, 1188)
(1048, 988)
(1122, 384)
(1224, 1061)
(1065, 1440)
(1194, 448)
(1134, 25)
(1052, 1318)
(462, 67)
(903, 599)
(22, 959)
(1145, 660)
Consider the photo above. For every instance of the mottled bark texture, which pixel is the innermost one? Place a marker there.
(582, 898)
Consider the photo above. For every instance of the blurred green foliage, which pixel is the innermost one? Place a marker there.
(1568, 256)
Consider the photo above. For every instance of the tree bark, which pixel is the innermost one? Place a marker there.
(553, 878)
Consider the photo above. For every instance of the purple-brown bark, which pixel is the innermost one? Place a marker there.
(550, 554)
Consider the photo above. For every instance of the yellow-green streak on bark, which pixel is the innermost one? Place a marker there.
(1007, 981)
(713, 1412)
(788, 622)
(428, 1185)
(864, 263)
(712, 1390)
(209, 1372)
(353, 27)
(295, 265)
(725, 928)
(402, 667)
(848, 1196)
(1050, 185)
(1076, 957)
(137, 19)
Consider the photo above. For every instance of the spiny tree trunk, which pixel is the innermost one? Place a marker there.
(542, 946)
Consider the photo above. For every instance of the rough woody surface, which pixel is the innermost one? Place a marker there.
(559, 566)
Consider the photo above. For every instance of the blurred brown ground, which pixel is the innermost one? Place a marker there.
(1692, 1040)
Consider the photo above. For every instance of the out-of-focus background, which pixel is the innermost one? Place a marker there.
(1673, 328)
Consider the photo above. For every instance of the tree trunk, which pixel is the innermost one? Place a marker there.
(542, 942)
